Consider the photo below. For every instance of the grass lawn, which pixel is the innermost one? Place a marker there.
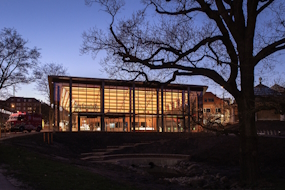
(39, 172)
(58, 166)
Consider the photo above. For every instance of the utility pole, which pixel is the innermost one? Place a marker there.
(14, 90)
(223, 105)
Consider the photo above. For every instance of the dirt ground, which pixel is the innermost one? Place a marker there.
(213, 163)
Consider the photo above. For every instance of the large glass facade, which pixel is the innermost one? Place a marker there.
(122, 106)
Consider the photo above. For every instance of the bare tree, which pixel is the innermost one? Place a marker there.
(41, 74)
(42, 85)
(223, 40)
(16, 59)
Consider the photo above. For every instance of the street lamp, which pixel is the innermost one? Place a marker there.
(223, 104)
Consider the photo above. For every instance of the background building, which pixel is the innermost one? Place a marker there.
(278, 88)
(215, 109)
(114, 105)
(21, 104)
(268, 102)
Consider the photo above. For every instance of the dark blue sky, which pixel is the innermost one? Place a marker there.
(56, 26)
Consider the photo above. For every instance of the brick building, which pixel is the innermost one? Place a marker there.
(215, 108)
(21, 104)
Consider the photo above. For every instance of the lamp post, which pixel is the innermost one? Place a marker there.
(223, 105)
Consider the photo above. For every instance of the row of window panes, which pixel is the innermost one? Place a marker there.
(18, 100)
(82, 97)
(141, 123)
(85, 98)
(208, 110)
(24, 108)
(209, 100)
(19, 104)
(24, 104)
(117, 99)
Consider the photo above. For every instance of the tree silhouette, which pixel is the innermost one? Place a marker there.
(41, 74)
(223, 40)
(16, 59)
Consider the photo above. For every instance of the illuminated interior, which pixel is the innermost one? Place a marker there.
(108, 105)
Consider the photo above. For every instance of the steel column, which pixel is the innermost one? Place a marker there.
(157, 109)
(162, 116)
(58, 111)
(130, 104)
(102, 98)
(70, 104)
(78, 122)
(134, 108)
(189, 107)
(183, 109)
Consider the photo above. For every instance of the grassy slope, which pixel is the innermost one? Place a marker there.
(219, 151)
(42, 173)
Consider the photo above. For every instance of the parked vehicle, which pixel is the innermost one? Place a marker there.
(25, 121)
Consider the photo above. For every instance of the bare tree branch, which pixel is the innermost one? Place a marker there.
(16, 59)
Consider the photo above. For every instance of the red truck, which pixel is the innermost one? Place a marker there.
(21, 121)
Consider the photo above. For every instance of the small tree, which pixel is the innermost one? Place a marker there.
(42, 85)
(41, 74)
(16, 59)
(223, 40)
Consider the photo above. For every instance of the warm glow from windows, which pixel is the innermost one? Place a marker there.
(86, 98)
(119, 104)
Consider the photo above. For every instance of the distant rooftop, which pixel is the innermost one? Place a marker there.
(262, 90)
(278, 88)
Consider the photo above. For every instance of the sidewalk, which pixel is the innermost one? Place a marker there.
(5, 183)
(9, 135)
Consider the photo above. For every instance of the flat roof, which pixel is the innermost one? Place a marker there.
(123, 83)
(98, 81)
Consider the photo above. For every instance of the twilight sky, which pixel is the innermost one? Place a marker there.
(56, 26)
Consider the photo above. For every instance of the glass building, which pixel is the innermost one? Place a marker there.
(90, 104)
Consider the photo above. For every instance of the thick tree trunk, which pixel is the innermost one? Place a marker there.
(248, 149)
(249, 163)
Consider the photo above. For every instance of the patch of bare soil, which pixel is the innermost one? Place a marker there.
(213, 162)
